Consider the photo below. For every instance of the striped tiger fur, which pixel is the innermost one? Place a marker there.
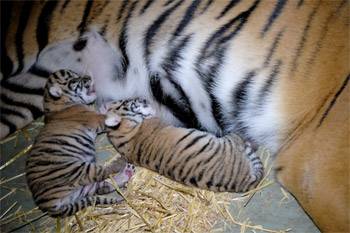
(61, 168)
(189, 156)
(274, 71)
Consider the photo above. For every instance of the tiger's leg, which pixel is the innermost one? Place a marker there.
(121, 179)
(97, 173)
(81, 203)
(314, 166)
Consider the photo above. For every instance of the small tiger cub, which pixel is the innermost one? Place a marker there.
(61, 168)
(189, 156)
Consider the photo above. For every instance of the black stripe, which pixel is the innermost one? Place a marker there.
(186, 19)
(12, 127)
(235, 175)
(146, 6)
(214, 156)
(198, 153)
(80, 139)
(36, 112)
(104, 27)
(232, 160)
(185, 136)
(300, 3)
(64, 5)
(6, 16)
(122, 9)
(77, 205)
(206, 7)
(153, 29)
(168, 3)
(218, 37)
(214, 49)
(274, 15)
(21, 89)
(266, 90)
(222, 169)
(273, 48)
(218, 163)
(331, 104)
(22, 24)
(201, 164)
(171, 62)
(170, 65)
(240, 94)
(42, 30)
(325, 29)
(123, 39)
(82, 26)
(52, 176)
(179, 109)
(193, 141)
(85, 144)
(193, 181)
(81, 172)
(304, 37)
(228, 7)
(38, 71)
(7, 111)
(189, 144)
(70, 209)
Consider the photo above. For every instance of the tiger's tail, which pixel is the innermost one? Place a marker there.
(72, 208)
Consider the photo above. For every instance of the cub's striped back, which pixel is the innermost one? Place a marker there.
(61, 168)
(188, 156)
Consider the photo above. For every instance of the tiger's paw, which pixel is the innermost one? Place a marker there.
(124, 176)
(257, 167)
(103, 106)
(112, 119)
(250, 148)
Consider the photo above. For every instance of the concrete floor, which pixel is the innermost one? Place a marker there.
(272, 208)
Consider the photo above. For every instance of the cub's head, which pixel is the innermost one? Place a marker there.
(134, 110)
(65, 88)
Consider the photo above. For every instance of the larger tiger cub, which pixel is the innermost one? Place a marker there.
(188, 156)
(61, 168)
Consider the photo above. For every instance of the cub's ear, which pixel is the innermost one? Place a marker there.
(55, 91)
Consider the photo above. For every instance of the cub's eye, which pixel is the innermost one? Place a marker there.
(73, 83)
(133, 106)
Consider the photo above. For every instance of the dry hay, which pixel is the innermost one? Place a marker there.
(152, 203)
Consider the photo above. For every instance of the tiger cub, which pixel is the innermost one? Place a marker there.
(61, 168)
(189, 156)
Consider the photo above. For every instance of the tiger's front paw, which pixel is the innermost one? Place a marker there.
(118, 164)
(124, 176)
(103, 106)
(112, 119)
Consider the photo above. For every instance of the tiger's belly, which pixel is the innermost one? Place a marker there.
(235, 100)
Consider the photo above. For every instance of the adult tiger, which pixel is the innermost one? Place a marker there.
(276, 72)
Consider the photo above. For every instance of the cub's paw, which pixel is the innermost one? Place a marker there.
(257, 166)
(118, 164)
(112, 119)
(250, 148)
(103, 108)
(124, 176)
